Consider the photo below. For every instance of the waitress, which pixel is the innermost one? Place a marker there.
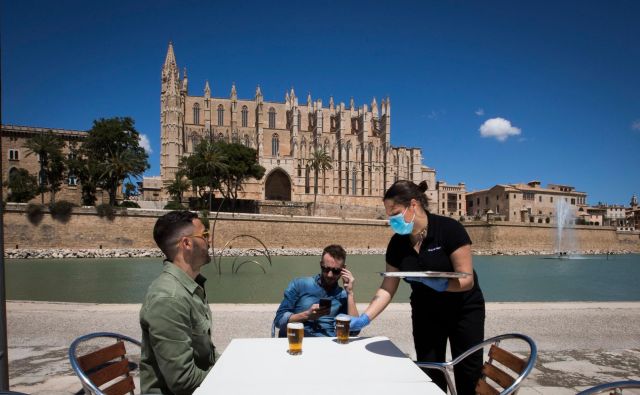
(441, 308)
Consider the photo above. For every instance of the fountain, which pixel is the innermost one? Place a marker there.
(565, 240)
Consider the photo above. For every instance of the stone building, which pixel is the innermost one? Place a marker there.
(524, 202)
(450, 199)
(16, 156)
(285, 134)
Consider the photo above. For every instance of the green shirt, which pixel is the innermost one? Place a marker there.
(177, 351)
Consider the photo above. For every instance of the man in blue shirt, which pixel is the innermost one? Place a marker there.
(301, 301)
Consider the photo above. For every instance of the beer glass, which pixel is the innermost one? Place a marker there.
(295, 333)
(342, 328)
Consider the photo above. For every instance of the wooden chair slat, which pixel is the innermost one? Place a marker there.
(122, 387)
(482, 388)
(101, 356)
(110, 372)
(507, 359)
(498, 375)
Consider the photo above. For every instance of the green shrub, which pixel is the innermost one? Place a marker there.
(61, 210)
(35, 213)
(173, 205)
(106, 211)
(129, 204)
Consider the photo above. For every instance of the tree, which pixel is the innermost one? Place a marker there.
(48, 147)
(178, 187)
(241, 164)
(22, 186)
(204, 168)
(320, 161)
(86, 171)
(114, 145)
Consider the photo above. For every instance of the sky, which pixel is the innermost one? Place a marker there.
(493, 92)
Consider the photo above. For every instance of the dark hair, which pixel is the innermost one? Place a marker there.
(169, 227)
(402, 191)
(336, 251)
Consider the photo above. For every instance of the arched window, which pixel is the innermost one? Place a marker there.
(370, 153)
(220, 115)
(272, 118)
(196, 113)
(299, 120)
(245, 116)
(220, 137)
(234, 137)
(306, 180)
(72, 180)
(247, 141)
(194, 142)
(354, 178)
(299, 168)
(12, 173)
(275, 145)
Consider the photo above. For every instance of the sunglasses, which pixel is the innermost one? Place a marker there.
(335, 271)
(204, 236)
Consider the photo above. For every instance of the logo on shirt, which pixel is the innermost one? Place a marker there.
(434, 249)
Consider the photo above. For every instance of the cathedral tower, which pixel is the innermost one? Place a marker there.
(171, 117)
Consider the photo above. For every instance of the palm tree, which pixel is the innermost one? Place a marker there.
(204, 167)
(320, 162)
(122, 164)
(48, 147)
(178, 187)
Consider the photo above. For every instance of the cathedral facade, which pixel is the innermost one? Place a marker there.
(285, 134)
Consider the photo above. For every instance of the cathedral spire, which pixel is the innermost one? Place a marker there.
(331, 104)
(170, 60)
(258, 93)
(207, 90)
(374, 107)
(352, 104)
(185, 81)
(234, 93)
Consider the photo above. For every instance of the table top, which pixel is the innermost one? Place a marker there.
(367, 365)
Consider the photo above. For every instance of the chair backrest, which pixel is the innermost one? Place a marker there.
(613, 388)
(108, 366)
(505, 370)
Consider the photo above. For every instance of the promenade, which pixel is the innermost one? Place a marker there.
(580, 344)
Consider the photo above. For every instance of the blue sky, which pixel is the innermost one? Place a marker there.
(553, 85)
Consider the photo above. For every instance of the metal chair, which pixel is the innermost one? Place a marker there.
(615, 387)
(507, 383)
(104, 366)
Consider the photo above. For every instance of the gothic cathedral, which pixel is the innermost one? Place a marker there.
(285, 135)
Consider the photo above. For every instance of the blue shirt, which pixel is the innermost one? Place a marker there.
(303, 292)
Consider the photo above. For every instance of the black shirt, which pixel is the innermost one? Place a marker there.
(444, 236)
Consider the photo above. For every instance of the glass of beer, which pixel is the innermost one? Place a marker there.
(342, 328)
(295, 333)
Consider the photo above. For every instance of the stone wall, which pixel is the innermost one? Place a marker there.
(132, 228)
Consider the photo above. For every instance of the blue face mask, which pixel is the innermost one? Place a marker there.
(399, 225)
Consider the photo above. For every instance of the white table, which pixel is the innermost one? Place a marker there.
(366, 366)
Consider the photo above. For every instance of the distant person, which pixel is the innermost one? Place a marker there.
(302, 298)
(442, 308)
(177, 351)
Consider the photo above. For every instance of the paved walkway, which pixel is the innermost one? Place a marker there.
(580, 344)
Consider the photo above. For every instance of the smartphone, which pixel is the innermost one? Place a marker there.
(324, 302)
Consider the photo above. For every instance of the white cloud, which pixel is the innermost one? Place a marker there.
(636, 125)
(480, 112)
(499, 128)
(144, 143)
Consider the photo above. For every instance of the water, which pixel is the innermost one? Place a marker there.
(502, 278)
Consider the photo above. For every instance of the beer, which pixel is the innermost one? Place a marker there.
(295, 333)
(342, 328)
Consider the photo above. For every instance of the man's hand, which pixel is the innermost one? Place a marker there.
(347, 280)
(315, 312)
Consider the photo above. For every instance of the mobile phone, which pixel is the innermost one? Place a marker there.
(324, 302)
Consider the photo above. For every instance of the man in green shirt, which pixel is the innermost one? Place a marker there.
(177, 351)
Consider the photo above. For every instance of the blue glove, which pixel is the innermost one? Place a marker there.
(357, 323)
(437, 284)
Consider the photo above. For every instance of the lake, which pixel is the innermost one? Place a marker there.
(502, 278)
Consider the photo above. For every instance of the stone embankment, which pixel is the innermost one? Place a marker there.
(58, 253)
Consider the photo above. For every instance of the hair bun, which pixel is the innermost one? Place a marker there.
(423, 186)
